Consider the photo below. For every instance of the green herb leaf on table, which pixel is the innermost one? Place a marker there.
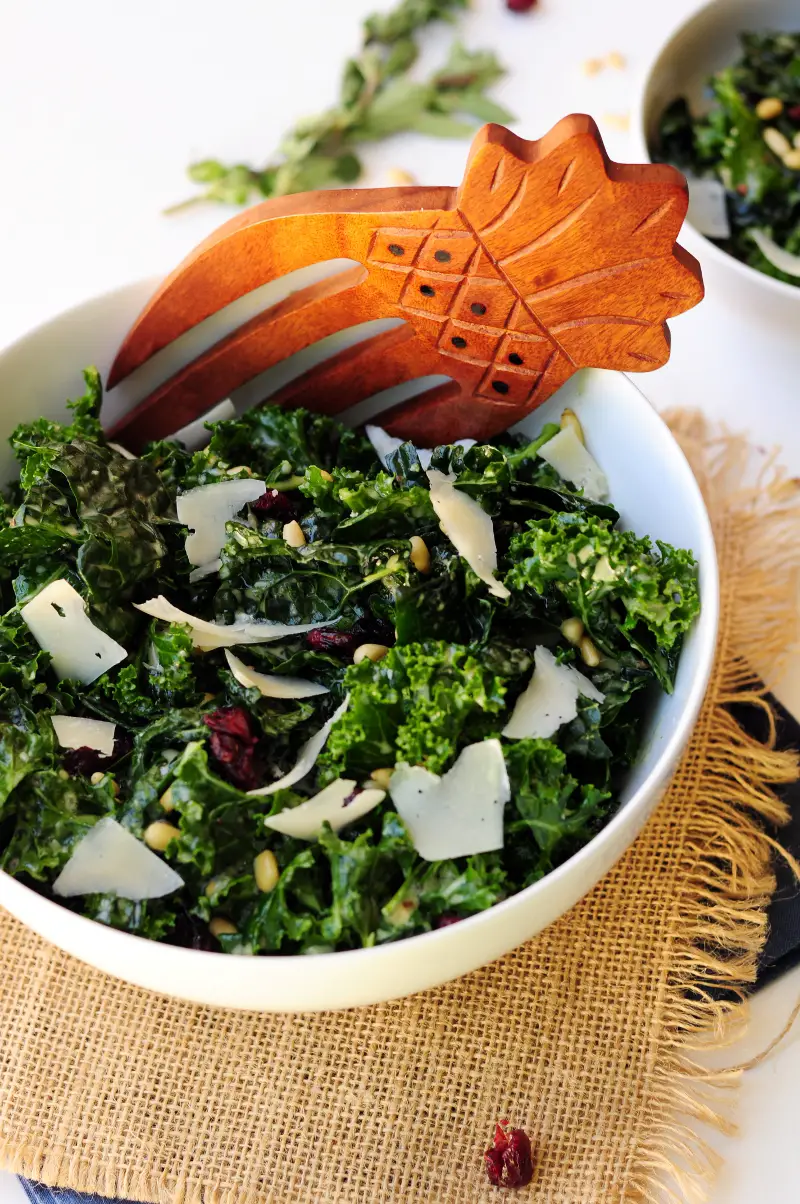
(378, 97)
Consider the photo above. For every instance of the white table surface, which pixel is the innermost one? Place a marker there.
(101, 106)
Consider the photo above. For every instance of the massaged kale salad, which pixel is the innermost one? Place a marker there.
(283, 695)
(749, 141)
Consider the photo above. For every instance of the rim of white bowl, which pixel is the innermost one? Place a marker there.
(641, 149)
(290, 965)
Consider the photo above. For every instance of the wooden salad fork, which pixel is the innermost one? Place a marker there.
(548, 258)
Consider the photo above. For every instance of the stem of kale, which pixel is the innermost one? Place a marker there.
(377, 98)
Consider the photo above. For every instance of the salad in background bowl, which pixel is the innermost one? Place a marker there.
(721, 100)
(307, 693)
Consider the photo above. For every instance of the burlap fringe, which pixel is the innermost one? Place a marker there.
(721, 912)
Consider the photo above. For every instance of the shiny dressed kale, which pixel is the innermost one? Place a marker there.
(191, 739)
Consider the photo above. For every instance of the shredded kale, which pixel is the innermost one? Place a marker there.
(191, 739)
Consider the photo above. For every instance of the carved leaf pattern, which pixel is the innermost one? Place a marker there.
(588, 246)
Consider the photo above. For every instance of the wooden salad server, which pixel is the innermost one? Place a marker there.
(547, 258)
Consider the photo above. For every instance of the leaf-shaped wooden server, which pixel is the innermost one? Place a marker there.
(548, 258)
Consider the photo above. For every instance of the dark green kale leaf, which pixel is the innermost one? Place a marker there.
(53, 813)
(264, 578)
(27, 742)
(281, 443)
(150, 918)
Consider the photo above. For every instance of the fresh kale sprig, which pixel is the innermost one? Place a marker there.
(377, 97)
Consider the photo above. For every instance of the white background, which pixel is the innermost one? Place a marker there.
(103, 103)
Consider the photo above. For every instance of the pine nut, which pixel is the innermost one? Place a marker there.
(158, 835)
(265, 869)
(399, 177)
(792, 159)
(420, 556)
(572, 630)
(211, 888)
(97, 778)
(589, 653)
(769, 107)
(326, 476)
(382, 777)
(293, 534)
(570, 418)
(592, 66)
(219, 926)
(616, 60)
(62, 773)
(370, 652)
(166, 800)
(777, 142)
(239, 468)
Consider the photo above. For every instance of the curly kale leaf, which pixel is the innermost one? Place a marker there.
(421, 703)
(550, 805)
(616, 582)
(266, 579)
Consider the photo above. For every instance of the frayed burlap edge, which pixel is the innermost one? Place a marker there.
(721, 913)
(726, 852)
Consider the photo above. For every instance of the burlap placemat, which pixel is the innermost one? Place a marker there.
(583, 1036)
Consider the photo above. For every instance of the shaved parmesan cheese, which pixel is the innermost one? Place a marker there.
(571, 460)
(109, 860)
(205, 570)
(58, 621)
(308, 755)
(467, 525)
(206, 635)
(272, 685)
(550, 699)
(330, 806)
(778, 256)
(207, 509)
(383, 442)
(74, 732)
(123, 451)
(458, 814)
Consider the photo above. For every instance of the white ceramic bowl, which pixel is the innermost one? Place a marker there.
(656, 493)
(681, 66)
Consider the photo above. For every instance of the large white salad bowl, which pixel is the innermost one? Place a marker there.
(655, 492)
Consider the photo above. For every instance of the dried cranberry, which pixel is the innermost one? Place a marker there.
(85, 761)
(276, 503)
(446, 920)
(233, 743)
(520, 6)
(793, 113)
(340, 643)
(508, 1160)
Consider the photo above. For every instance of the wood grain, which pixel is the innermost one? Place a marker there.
(548, 258)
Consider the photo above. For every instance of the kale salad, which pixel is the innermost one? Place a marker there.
(748, 141)
(309, 688)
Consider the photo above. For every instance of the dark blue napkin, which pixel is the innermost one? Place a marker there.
(781, 952)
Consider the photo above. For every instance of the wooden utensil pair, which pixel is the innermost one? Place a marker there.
(548, 258)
